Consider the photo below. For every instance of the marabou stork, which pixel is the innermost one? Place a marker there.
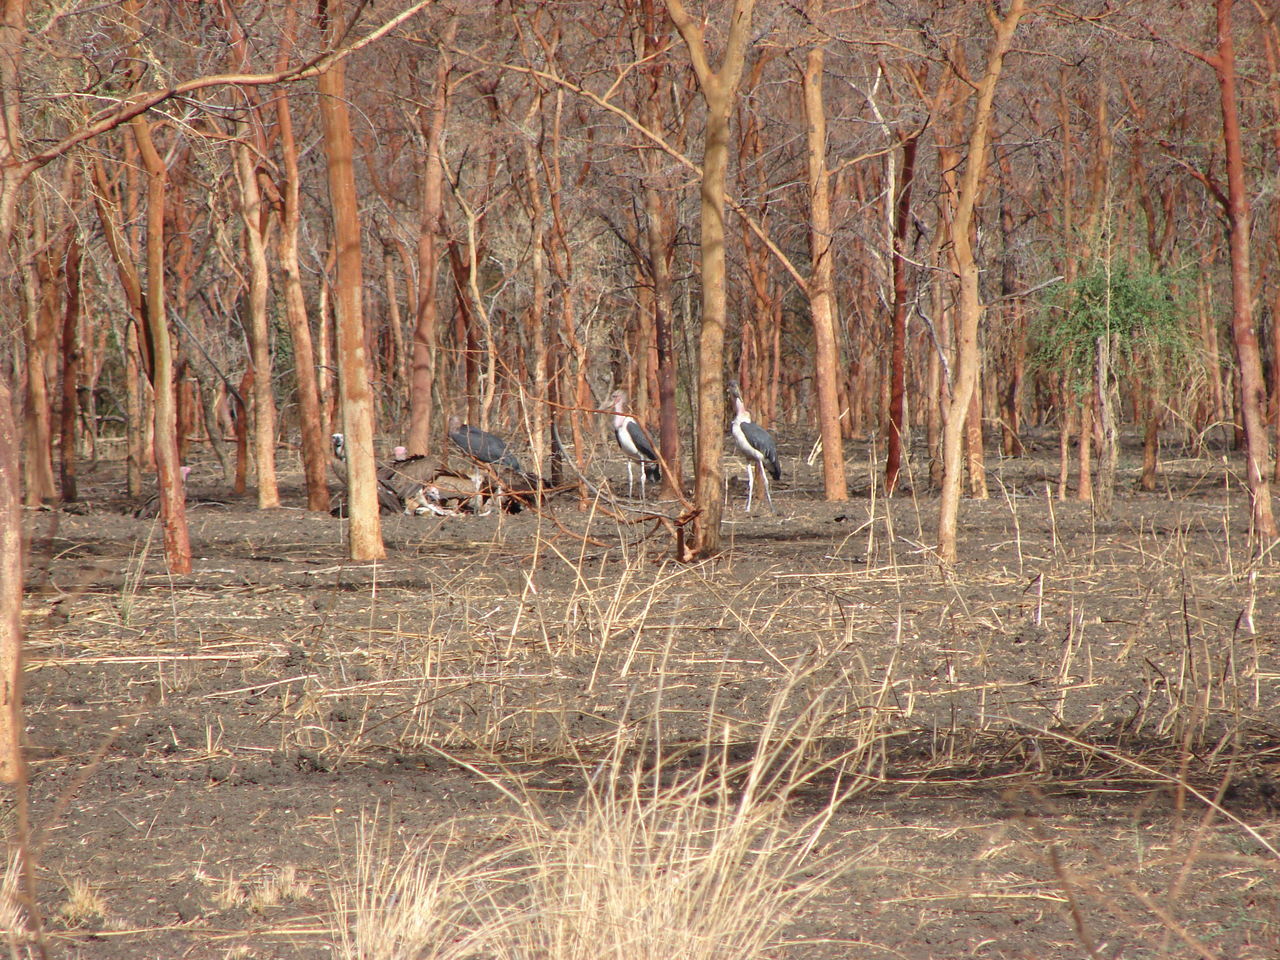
(635, 443)
(756, 447)
(502, 469)
(482, 446)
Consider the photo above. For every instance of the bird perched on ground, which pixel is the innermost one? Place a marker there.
(756, 447)
(635, 443)
(150, 508)
(389, 499)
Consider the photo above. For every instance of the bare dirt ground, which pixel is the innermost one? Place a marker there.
(1046, 722)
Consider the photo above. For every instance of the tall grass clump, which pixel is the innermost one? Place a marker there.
(701, 855)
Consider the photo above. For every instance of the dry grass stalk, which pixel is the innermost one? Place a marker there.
(696, 855)
(13, 915)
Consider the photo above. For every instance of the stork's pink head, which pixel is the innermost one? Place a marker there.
(400, 453)
(185, 471)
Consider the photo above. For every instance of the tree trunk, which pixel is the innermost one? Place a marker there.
(1109, 448)
(70, 373)
(659, 238)
(106, 202)
(1150, 439)
(535, 413)
(173, 511)
(822, 301)
(1243, 332)
(353, 377)
(315, 454)
(969, 306)
(264, 403)
(430, 228)
(240, 409)
(41, 335)
(898, 355)
(1010, 405)
(1084, 491)
(718, 90)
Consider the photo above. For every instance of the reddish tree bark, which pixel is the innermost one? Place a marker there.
(1243, 332)
(898, 356)
(365, 540)
(12, 769)
(173, 511)
(660, 239)
(70, 373)
(311, 423)
(430, 231)
(41, 335)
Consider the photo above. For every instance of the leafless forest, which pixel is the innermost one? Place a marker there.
(1000, 280)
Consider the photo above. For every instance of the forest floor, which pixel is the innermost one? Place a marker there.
(1067, 746)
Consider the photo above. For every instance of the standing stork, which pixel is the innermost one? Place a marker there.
(756, 447)
(635, 443)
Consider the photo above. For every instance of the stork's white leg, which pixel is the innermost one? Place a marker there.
(642, 479)
(767, 495)
(478, 501)
(751, 482)
(631, 480)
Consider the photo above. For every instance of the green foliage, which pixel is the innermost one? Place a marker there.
(1138, 307)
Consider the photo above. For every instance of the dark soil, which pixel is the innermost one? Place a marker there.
(1052, 713)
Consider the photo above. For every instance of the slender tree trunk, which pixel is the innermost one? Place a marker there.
(658, 236)
(898, 356)
(1108, 449)
(325, 368)
(1272, 45)
(41, 335)
(396, 366)
(353, 370)
(1150, 438)
(12, 769)
(970, 305)
(264, 403)
(1064, 437)
(173, 511)
(1084, 491)
(1244, 334)
(536, 321)
(241, 427)
(310, 416)
(822, 300)
(718, 90)
(1010, 404)
(13, 34)
(70, 373)
(430, 228)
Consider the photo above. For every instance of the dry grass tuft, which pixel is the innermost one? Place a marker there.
(83, 906)
(278, 886)
(659, 859)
